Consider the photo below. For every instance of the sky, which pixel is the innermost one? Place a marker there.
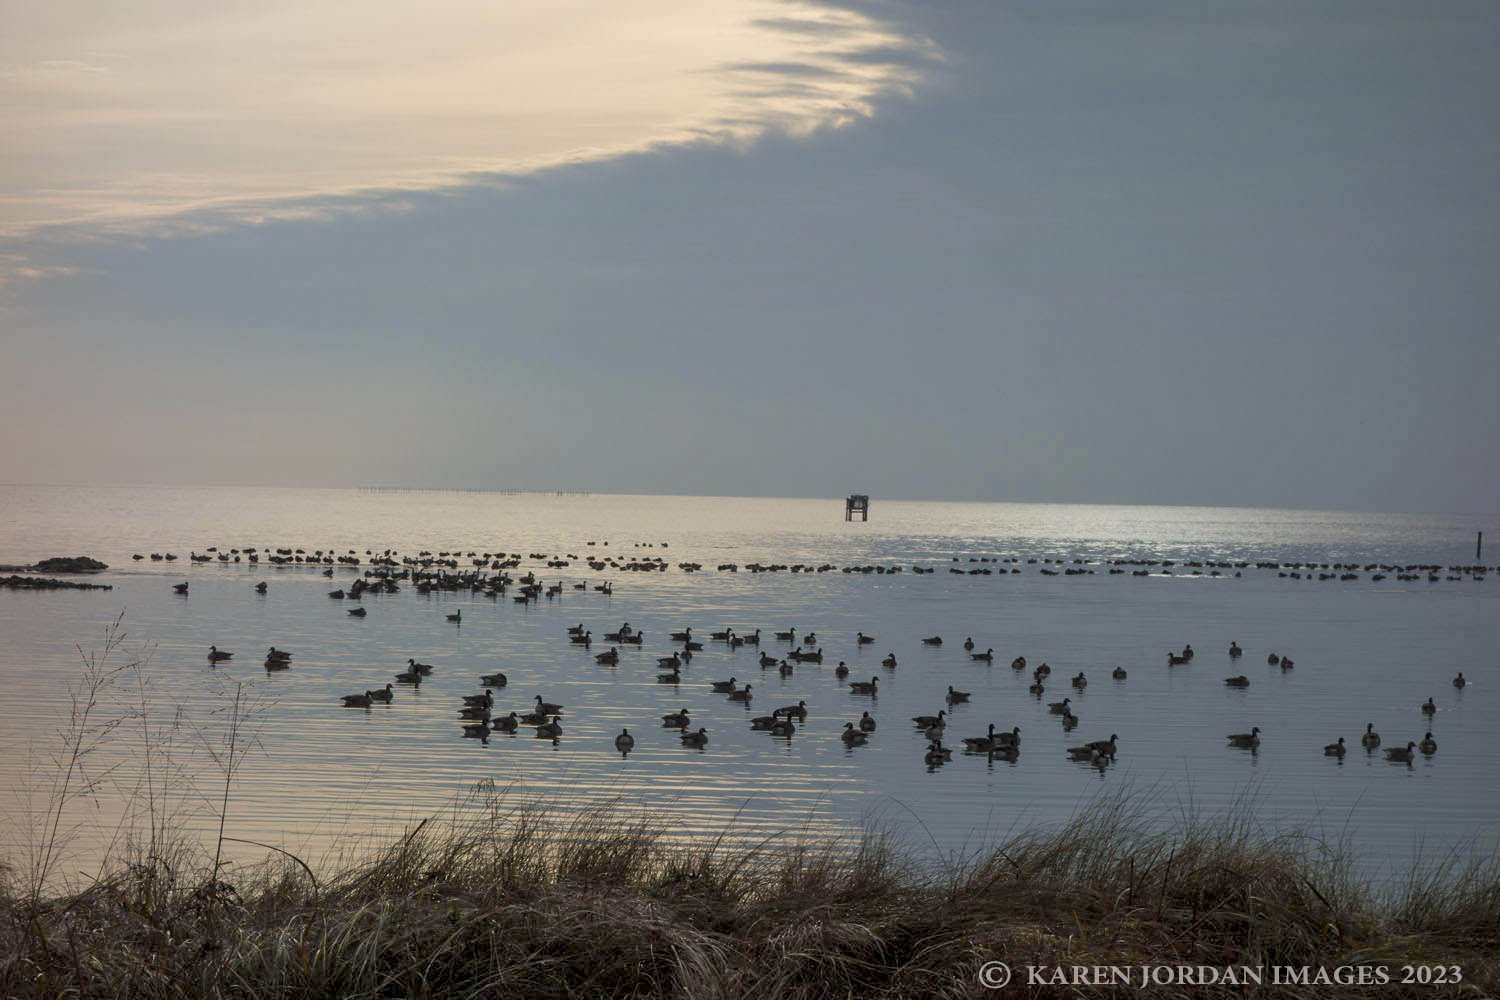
(1183, 253)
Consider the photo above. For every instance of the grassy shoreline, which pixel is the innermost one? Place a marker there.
(600, 904)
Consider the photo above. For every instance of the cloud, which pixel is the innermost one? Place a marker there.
(185, 115)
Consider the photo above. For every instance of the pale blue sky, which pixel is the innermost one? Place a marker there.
(1155, 253)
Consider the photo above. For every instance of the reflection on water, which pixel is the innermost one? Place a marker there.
(1365, 652)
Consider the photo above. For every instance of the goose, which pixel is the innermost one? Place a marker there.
(924, 721)
(682, 636)
(1019, 663)
(937, 754)
(1400, 755)
(486, 700)
(810, 639)
(853, 737)
(672, 662)
(479, 731)
(1118, 673)
(586, 639)
(1005, 751)
(1037, 688)
(1250, 739)
(180, 588)
(675, 720)
(752, 639)
(474, 712)
(1370, 738)
(1428, 745)
(1286, 663)
(385, 694)
(277, 654)
(1459, 681)
(1107, 747)
(358, 700)
(1335, 749)
(981, 742)
(762, 723)
(767, 660)
(1069, 721)
(576, 629)
(988, 656)
(860, 687)
(506, 723)
(787, 636)
(969, 643)
(1237, 682)
(260, 588)
(692, 647)
(1084, 753)
(675, 677)
(1012, 738)
(783, 727)
(1043, 670)
(698, 739)
(624, 742)
(609, 658)
(1173, 660)
(549, 730)
(799, 710)
(1187, 651)
(860, 639)
(933, 640)
(457, 617)
(1273, 660)
(841, 671)
(956, 697)
(1080, 681)
(785, 669)
(409, 677)
(742, 695)
(1235, 652)
(498, 680)
(889, 661)
(357, 612)
(547, 707)
(723, 687)
(1429, 707)
(1060, 707)
(217, 655)
(866, 724)
(425, 669)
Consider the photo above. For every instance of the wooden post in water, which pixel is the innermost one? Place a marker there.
(1478, 546)
(858, 503)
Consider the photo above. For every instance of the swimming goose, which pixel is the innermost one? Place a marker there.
(955, 697)
(1459, 681)
(260, 588)
(1400, 755)
(1037, 688)
(277, 654)
(1080, 681)
(624, 742)
(988, 656)
(969, 644)
(358, 700)
(767, 660)
(494, 680)
(783, 727)
(853, 737)
(549, 730)
(1059, 707)
(1118, 673)
(216, 655)
(787, 636)
(385, 694)
(1069, 721)
(1428, 745)
(425, 669)
(547, 707)
(671, 662)
(180, 588)
(506, 724)
(933, 640)
(1335, 749)
(981, 742)
(609, 658)
(924, 721)
(357, 612)
(741, 695)
(481, 731)
(810, 639)
(841, 671)
(682, 636)
(866, 724)
(1235, 652)
(889, 661)
(799, 710)
(1043, 670)
(763, 722)
(1173, 660)
(457, 617)
(860, 639)
(576, 629)
(474, 712)
(1019, 663)
(786, 669)
(698, 739)
(1286, 663)
(1273, 659)
(860, 687)
(1370, 738)
(1250, 739)
(585, 639)
(675, 720)
(1005, 751)
(486, 700)
(723, 687)
(1237, 682)
(1083, 753)
(409, 677)
(937, 754)
(1429, 707)
(1107, 747)
(752, 639)
(675, 677)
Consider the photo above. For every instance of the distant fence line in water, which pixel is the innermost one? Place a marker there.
(475, 489)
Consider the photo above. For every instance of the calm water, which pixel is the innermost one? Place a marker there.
(1365, 652)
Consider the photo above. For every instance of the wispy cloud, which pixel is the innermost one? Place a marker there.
(185, 115)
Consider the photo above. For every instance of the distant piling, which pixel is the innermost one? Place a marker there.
(1478, 546)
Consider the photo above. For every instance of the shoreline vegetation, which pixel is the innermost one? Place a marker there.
(60, 564)
(547, 899)
(14, 582)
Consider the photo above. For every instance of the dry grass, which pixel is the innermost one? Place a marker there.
(602, 905)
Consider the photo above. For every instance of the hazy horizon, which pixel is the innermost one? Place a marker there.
(1176, 254)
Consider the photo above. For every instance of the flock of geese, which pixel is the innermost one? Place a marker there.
(479, 718)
